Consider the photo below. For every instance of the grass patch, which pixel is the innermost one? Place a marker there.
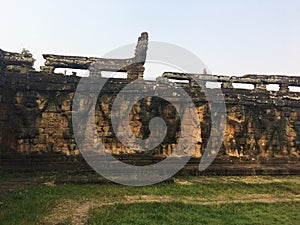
(180, 213)
(26, 206)
(32, 203)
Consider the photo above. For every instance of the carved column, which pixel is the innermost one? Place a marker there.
(226, 85)
(47, 69)
(284, 88)
(261, 87)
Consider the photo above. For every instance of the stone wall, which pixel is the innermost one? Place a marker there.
(262, 126)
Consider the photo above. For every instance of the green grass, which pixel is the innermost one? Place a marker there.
(180, 213)
(28, 205)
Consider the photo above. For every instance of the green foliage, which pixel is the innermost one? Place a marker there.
(14, 68)
(26, 53)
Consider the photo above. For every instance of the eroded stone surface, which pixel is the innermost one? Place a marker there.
(36, 112)
(35, 116)
(15, 59)
(133, 66)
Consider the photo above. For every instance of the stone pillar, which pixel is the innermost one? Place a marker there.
(24, 70)
(47, 69)
(141, 72)
(136, 72)
(94, 71)
(260, 87)
(226, 85)
(284, 88)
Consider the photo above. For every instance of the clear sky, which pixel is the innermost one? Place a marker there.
(232, 37)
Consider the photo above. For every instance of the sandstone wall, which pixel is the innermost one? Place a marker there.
(36, 122)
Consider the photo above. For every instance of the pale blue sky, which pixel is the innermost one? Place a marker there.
(232, 37)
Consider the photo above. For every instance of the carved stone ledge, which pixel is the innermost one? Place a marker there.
(133, 66)
(15, 59)
(11, 58)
